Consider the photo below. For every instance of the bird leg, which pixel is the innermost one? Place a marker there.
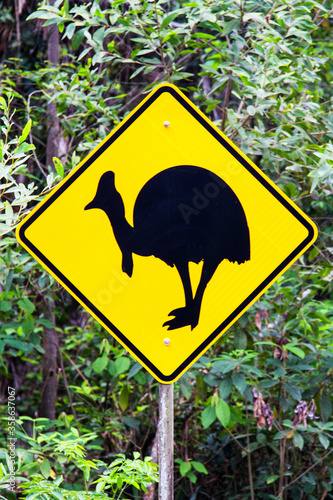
(127, 262)
(185, 277)
(189, 315)
(182, 314)
(208, 270)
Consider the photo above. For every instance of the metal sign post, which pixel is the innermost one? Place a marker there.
(165, 442)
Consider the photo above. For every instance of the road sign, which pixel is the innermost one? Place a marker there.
(166, 233)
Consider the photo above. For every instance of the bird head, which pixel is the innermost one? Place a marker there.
(105, 190)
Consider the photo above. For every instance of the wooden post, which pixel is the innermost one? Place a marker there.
(165, 442)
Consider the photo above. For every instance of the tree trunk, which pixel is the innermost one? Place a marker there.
(53, 120)
(50, 367)
(50, 339)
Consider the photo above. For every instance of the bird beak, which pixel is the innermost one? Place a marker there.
(90, 205)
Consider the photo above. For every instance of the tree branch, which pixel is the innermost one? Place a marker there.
(303, 473)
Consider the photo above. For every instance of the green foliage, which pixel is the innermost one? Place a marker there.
(190, 468)
(120, 473)
(116, 476)
(65, 451)
(15, 152)
(262, 72)
(125, 471)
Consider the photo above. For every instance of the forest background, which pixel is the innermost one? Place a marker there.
(253, 417)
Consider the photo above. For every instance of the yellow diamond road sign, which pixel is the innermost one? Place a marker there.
(166, 233)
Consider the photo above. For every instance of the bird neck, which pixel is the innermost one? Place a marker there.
(122, 230)
(124, 235)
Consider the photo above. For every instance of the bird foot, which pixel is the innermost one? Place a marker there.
(184, 316)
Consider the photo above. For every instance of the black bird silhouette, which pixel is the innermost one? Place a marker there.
(182, 214)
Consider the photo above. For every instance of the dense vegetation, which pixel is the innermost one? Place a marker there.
(253, 417)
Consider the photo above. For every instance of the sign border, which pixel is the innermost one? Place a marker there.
(240, 157)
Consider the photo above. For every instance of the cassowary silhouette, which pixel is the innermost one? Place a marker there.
(183, 214)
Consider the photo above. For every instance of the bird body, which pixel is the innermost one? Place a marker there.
(176, 221)
(183, 214)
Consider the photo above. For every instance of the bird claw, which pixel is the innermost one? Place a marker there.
(184, 316)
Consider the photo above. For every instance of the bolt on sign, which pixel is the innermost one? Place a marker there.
(166, 233)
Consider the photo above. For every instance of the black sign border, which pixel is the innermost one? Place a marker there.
(240, 159)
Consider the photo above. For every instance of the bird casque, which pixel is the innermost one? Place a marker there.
(183, 214)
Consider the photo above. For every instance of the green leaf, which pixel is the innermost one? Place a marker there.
(17, 344)
(70, 30)
(208, 416)
(136, 72)
(295, 350)
(46, 323)
(185, 387)
(168, 19)
(111, 367)
(240, 340)
(59, 167)
(271, 479)
(28, 325)
(298, 440)
(256, 17)
(184, 468)
(35, 338)
(124, 398)
(25, 132)
(99, 36)
(279, 372)
(78, 38)
(100, 486)
(5, 306)
(55, 20)
(324, 440)
(141, 377)
(294, 391)
(230, 26)
(223, 412)
(57, 494)
(58, 480)
(199, 467)
(239, 381)
(192, 477)
(224, 365)
(251, 110)
(99, 364)
(134, 370)
(3, 103)
(261, 438)
(42, 14)
(225, 388)
(45, 468)
(325, 407)
(23, 148)
(27, 305)
(122, 365)
(205, 36)
(132, 422)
